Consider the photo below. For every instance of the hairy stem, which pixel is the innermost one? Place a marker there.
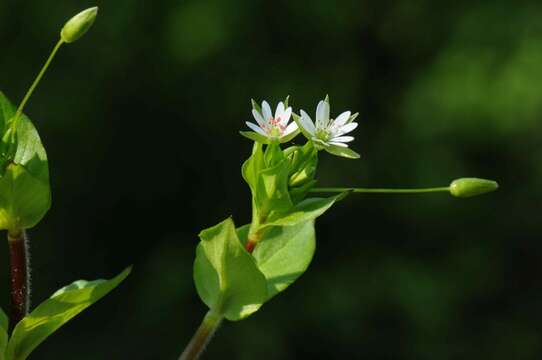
(383, 191)
(20, 277)
(201, 338)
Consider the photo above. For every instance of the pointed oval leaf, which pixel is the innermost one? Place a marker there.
(54, 312)
(24, 199)
(226, 276)
(284, 253)
(23, 177)
(30, 152)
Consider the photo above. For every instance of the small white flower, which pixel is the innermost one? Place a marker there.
(274, 127)
(328, 134)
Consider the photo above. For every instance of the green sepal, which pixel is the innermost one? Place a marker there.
(4, 323)
(341, 151)
(78, 25)
(469, 187)
(254, 136)
(54, 312)
(226, 276)
(286, 102)
(290, 136)
(256, 106)
(25, 194)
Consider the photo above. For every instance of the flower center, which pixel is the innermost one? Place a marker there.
(275, 127)
(323, 134)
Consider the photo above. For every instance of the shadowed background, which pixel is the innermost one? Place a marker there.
(140, 119)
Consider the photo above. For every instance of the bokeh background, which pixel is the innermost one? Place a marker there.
(140, 120)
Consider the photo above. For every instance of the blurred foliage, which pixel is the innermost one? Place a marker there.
(445, 89)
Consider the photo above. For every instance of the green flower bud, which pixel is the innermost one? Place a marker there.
(78, 25)
(467, 187)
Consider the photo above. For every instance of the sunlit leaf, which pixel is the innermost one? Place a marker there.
(284, 253)
(226, 276)
(54, 312)
(25, 195)
(308, 209)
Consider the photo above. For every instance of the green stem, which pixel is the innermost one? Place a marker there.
(383, 191)
(34, 84)
(201, 338)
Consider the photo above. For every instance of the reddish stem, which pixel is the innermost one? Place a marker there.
(18, 248)
(250, 245)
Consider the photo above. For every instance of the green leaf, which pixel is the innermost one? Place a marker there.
(342, 151)
(308, 209)
(272, 189)
(24, 199)
(284, 253)
(226, 276)
(3, 334)
(252, 167)
(30, 152)
(54, 312)
(25, 194)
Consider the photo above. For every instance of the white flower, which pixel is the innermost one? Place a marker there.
(329, 134)
(272, 127)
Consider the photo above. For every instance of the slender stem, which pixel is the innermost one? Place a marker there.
(35, 83)
(201, 338)
(383, 191)
(20, 277)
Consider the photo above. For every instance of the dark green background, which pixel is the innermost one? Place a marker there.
(140, 119)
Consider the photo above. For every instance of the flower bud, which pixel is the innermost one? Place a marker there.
(467, 187)
(78, 25)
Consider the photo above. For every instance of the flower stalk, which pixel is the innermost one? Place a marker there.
(19, 277)
(381, 190)
(203, 335)
(34, 85)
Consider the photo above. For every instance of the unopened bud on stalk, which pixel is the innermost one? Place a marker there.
(467, 187)
(78, 25)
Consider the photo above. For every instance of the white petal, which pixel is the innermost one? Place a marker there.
(280, 110)
(307, 123)
(346, 128)
(342, 119)
(322, 114)
(343, 139)
(256, 128)
(337, 144)
(258, 117)
(290, 129)
(285, 117)
(266, 110)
